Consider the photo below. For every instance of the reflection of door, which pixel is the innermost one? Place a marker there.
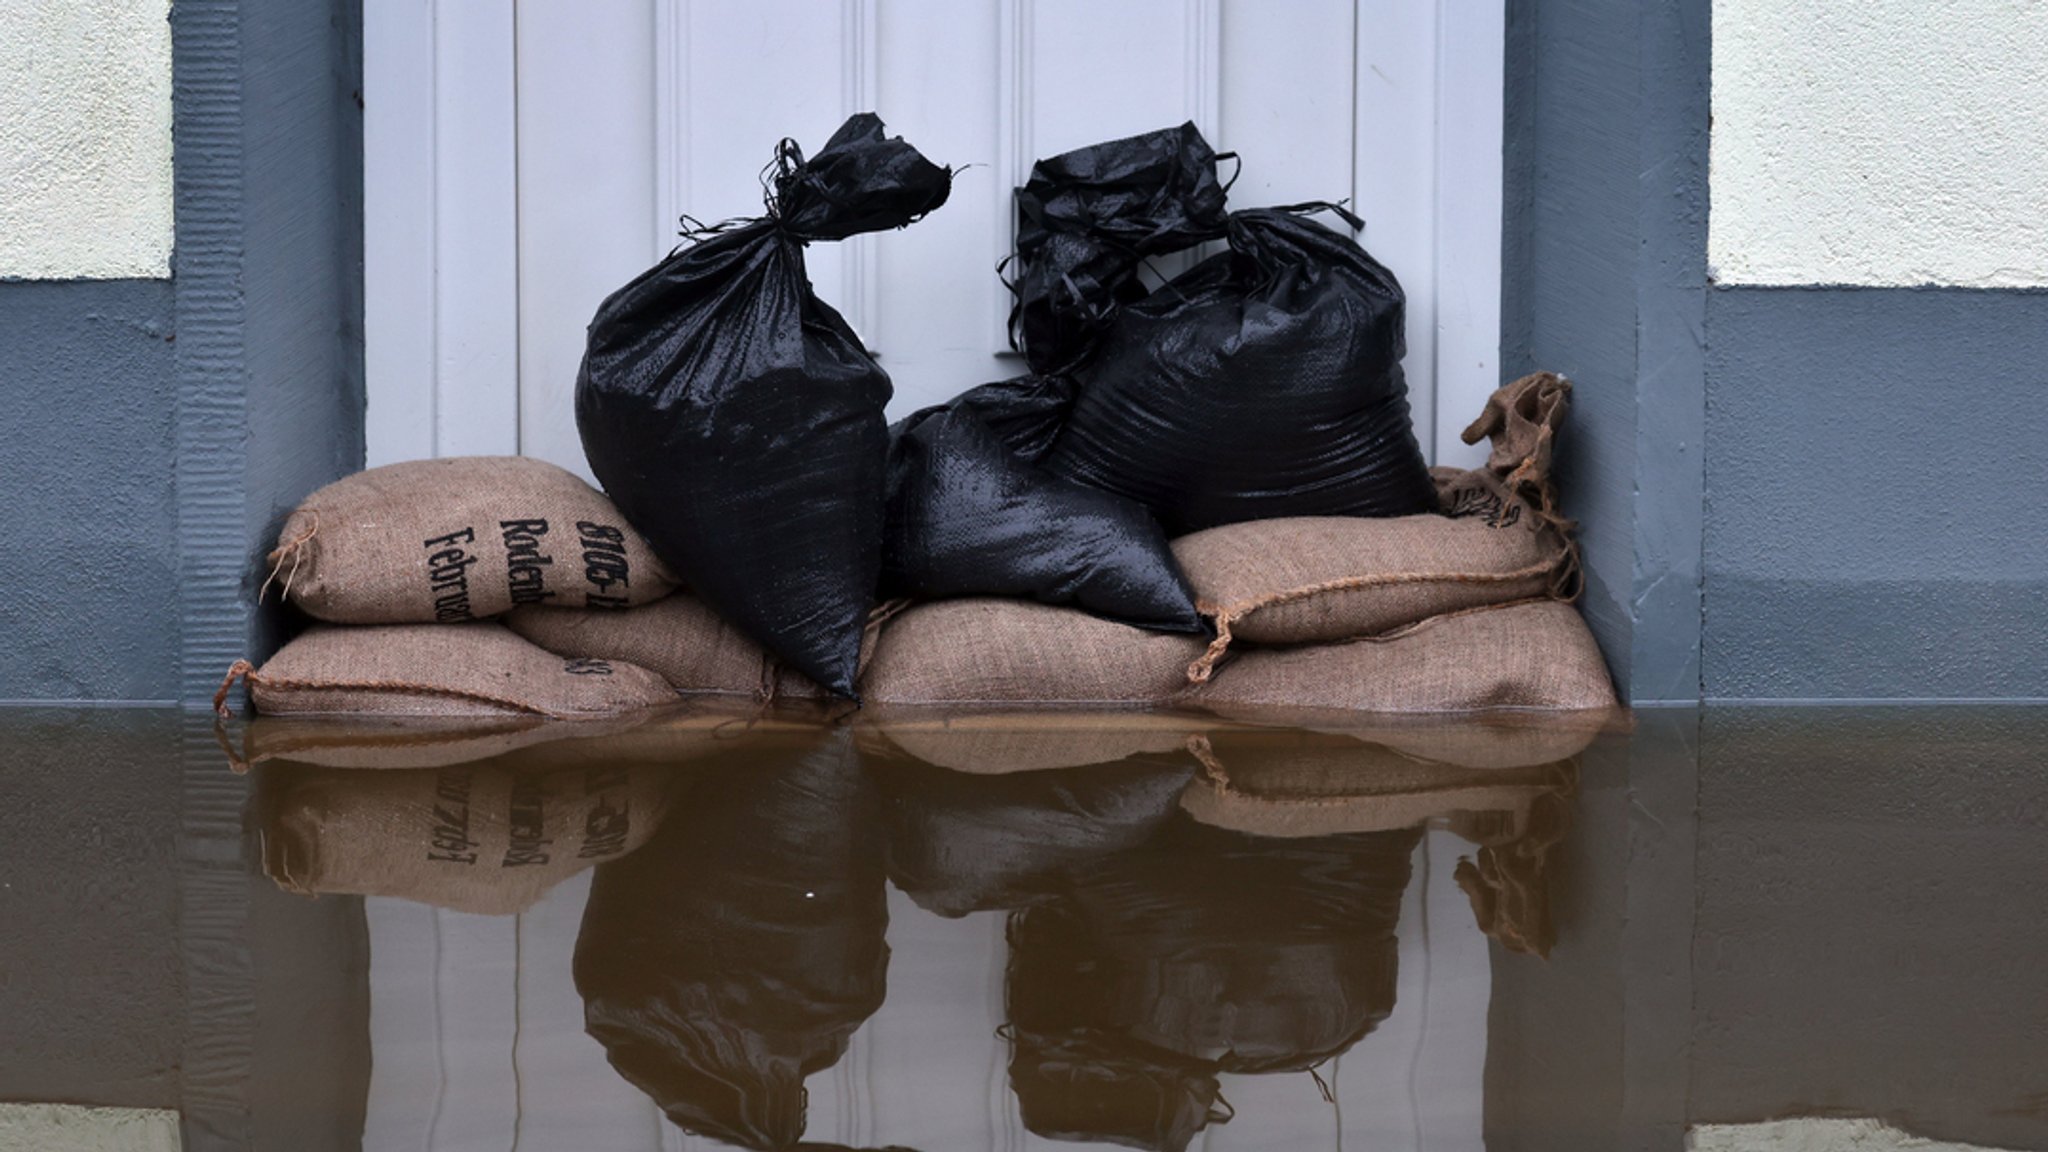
(523, 160)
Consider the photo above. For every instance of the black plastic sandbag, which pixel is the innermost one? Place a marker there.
(737, 420)
(737, 952)
(1087, 219)
(969, 517)
(1264, 382)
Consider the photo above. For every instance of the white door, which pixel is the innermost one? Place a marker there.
(522, 160)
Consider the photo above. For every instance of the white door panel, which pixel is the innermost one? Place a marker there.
(522, 161)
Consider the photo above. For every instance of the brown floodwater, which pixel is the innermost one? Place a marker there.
(1721, 929)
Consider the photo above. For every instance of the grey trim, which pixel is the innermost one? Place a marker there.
(206, 267)
(1605, 281)
(268, 286)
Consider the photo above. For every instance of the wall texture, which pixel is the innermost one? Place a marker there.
(1886, 142)
(85, 139)
(1605, 281)
(1874, 472)
(88, 602)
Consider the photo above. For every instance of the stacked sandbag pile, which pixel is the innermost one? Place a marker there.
(406, 570)
(1205, 494)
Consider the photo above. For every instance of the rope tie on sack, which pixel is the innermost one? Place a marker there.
(1226, 616)
(293, 550)
(243, 670)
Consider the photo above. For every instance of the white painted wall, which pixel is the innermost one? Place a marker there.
(521, 161)
(1882, 142)
(85, 139)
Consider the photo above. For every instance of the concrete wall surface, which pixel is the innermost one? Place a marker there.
(85, 139)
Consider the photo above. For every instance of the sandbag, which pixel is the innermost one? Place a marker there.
(438, 670)
(1264, 382)
(985, 651)
(1532, 655)
(1086, 221)
(737, 952)
(1495, 538)
(680, 639)
(1025, 412)
(479, 837)
(969, 517)
(737, 419)
(961, 843)
(460, 538)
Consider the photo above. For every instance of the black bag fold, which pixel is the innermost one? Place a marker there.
(1087, 219)
(967, 516)
(736, 419)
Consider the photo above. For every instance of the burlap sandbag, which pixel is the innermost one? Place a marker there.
(682, 640)
(462, 538)
(983, 651)
(1498, 538)
(484, 838)
(1291, 784)
(1533, 655)
(439, 670)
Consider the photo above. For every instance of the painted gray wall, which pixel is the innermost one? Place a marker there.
(89, 591)
(1877, 470)
(1605, 281)
(268, 269)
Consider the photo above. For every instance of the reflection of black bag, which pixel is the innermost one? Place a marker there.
(969, 517)
(736, 953)
(1202, 952)
(737, 420)
(1085, 221)
(961, 843)
(1261, 955)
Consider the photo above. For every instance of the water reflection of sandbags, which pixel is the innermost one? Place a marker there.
(1508, 881)
(961, 843)
(1292, 783)
(485, 837)
(1295, 782)
(669, 736)
(991, 743)
(736, 953)
(1204, 952)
